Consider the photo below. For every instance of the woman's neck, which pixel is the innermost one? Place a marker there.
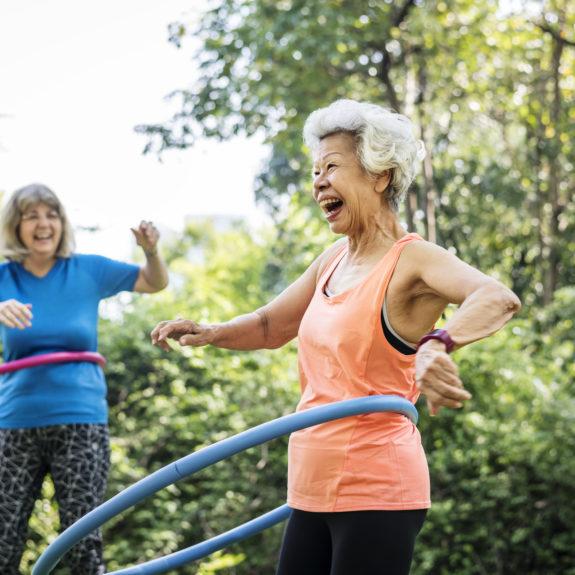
(381, 234)
(39, 266)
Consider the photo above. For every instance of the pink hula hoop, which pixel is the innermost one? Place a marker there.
(56, 357)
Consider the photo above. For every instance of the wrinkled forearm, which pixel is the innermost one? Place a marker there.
(248, 332)
(482, 313)
(244, 332)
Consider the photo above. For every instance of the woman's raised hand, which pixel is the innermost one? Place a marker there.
(184, 331)
(147, 236)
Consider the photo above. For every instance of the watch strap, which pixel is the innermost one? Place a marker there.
(442, 336)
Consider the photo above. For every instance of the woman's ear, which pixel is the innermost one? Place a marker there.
(382, 182)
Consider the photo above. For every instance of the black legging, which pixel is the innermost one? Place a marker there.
(347, 543)
(77, 456)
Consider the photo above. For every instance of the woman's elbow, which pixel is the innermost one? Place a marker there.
(161, 285)
(273, 335)
(144, 285)
(278, 342)
(508, 300)
(515, 304)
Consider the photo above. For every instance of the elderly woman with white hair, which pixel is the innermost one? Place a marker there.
(364, 313)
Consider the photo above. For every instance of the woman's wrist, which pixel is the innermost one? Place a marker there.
(150, 253)
(439, 335)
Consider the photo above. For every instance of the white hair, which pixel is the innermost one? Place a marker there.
(384, 141)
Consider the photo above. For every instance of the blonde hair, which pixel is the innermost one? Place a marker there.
(11, 246)
(384, 140)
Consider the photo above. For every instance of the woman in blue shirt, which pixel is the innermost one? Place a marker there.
(53, 417)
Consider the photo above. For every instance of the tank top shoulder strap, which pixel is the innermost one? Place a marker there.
(389, 261)
(332, 265)
(409, 238)
(392, 255)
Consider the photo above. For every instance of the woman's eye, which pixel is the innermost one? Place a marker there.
(29, 217)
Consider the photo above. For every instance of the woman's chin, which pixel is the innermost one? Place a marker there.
(335, 223)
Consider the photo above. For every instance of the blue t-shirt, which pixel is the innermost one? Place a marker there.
(65, 309)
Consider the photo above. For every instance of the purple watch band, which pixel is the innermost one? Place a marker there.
(442, 336)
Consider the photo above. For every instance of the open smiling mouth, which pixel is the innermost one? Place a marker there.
(330, 206)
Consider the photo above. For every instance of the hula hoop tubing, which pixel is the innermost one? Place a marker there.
(204, 458)
(55, 357)
(205, 548)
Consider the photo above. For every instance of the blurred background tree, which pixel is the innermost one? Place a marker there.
(489, 86)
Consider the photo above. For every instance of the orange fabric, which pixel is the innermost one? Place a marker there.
(372, 461)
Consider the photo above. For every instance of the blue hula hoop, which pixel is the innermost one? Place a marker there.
(204, 458)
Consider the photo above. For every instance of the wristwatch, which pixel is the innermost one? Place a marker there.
(441, 335)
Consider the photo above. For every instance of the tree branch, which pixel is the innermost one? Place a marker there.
(555, 34)
(387, 63)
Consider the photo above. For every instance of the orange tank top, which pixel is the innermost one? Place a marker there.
(372, 461)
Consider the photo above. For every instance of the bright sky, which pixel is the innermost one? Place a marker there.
(76, 77)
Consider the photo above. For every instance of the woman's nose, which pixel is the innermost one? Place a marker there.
(320, 182)
(44, 220)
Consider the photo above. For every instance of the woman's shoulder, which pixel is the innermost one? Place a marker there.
(85, 257)
(337, 246)
(7, 266)
(89, 259)
(420, 257)
(89, 263)
(416, 245)
(4, 269)
(331, 252)
(322, 262)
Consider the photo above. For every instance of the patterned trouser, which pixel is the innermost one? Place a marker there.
(77, 456)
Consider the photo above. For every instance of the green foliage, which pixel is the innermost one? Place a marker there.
(165, 406)
(489, 86)
(501, 468)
